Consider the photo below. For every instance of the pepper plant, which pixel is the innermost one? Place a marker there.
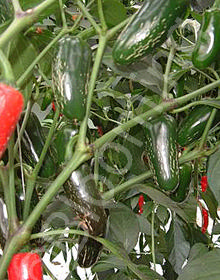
(116, 152)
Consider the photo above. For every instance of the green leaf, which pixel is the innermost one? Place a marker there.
(107, 262)
(134, 142)
(40, 41)
(197, 251)
(203, 267)
(117, 276)
(216, 229)
(59, 215)
(114, 12)
(162, 214)
(123, 226)
(55, 252)
(147, 72)
(214, 174)
(186, 210)
(179, 246)
(27, 4)
(150, 273)
(145, 226)
(21, 55)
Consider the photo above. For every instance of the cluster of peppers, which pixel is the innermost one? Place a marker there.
(71, 68)
(149, 29)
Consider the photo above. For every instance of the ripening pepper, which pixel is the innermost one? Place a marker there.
(25, 266)
(11, 105)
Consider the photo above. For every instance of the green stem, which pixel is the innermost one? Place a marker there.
(32, 179)
(92, 83)
(206, 131)
(101, 16)
(119, 26)
(196, 103)
(167, 71)
(25, 18)
(26, 116)
(125, 186)
(13, 219)
(7, 71)
(4, 180)
(89, 17)
(17, 7)
(152, 236)
(62, 14)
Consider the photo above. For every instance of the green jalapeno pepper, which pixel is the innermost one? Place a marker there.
(162, 151)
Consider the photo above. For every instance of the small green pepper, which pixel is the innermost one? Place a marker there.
(207, 47)
(162, 151)
(192, 127)
(184, 183)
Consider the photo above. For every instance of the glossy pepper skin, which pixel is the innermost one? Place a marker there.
(185, 176)
(32, 143)
(25, 266)
(205, 220)
(11, 105)
(62, 138)
(71, 69)
(87, 203)
(207, 47)
(4, 228)
(162, 151)
(149, 29)
(192, 127)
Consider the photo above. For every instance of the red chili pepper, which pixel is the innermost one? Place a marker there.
(11, 105)
(100, 131)
(140, 204)
(25, 266)
(54, 108)
(205, 220)
(204, 183)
